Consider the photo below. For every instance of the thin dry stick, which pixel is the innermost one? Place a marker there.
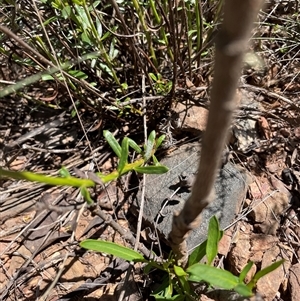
(126, 234)
(140, 218)
(231, 43)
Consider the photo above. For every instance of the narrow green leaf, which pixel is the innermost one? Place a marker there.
(160, 140)
(179, 271)
(133, 145)
(85, 193)
(269, 269)
(63, 172)
(78, 74)
(214, 276)
(99, 28)
(191, 32)
(73, 113)
(66, 12)
(245, 271)
(85, 38)
(152, 75)
(197, 254)
(149, 146)
(182, 277)
(94, 5)
(212, 239)
(155, 161)
(152, 169)
(114, 144)
(47, 77)
(106, 35)
(81, 14)
(264, 272)
(243, 290)
(124, 156)
(113, 52)
(168, 291)
(112, 249)
(125, 87)
(79, 2)
(51, 20)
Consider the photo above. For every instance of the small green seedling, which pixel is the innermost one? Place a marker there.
(122, 152)
(161, 86)
(176, 283)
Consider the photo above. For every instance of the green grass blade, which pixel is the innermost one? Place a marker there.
(245, 271)
(264, 272)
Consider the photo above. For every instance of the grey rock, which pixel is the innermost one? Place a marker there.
(161, 202)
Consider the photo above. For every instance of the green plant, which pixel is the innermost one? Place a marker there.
(81, 45)
(88, 31)
(122, 152)
(176, 284)
(161, 86)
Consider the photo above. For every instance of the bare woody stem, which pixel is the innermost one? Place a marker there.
(231, 43)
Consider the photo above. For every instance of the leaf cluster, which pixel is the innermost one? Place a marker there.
(176, 284)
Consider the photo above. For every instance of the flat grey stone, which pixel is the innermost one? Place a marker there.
(230, 189)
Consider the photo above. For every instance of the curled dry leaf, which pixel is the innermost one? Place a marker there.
(264, 127)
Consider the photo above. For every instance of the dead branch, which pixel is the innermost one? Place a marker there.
(231, 43)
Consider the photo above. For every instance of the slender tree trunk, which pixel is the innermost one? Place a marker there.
(231, 42)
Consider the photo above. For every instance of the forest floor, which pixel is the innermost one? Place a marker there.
(41, 226)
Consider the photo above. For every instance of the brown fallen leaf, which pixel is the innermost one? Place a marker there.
(264, 127)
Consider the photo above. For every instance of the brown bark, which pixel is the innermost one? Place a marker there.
(231, 43)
